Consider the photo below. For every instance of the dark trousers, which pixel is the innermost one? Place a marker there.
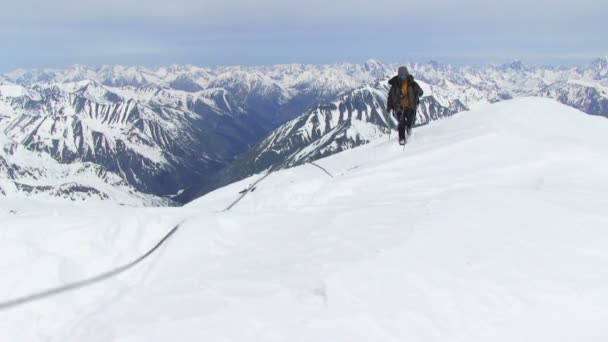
(406, 118)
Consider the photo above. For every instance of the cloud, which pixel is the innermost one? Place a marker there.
(247, 11)
(63, 32)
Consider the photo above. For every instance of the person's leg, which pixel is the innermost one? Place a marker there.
(401, 126)
(411, 119)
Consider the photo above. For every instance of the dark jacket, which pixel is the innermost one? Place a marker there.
(394, 94)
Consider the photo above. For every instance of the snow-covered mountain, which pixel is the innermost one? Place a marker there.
(274, 86)
(581, 87)
(154, 138)
(25, 173)
(267, 87)
(588, 97)
(354, 118)
(173, 128)
(489, 226)
(161, 130)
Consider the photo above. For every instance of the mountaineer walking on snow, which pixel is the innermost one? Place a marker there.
(403, 99)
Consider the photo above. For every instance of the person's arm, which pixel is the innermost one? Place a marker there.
(412, 96)
(389, 101)
(418, 91)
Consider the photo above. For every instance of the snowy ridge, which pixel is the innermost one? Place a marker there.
(355, 118)
(488, 226)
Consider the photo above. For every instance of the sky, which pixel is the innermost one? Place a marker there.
(60, 33)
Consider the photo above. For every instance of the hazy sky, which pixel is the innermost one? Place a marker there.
(58, 33)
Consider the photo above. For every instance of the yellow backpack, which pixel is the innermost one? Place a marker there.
(405, 99)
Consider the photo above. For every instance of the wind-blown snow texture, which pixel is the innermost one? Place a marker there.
(172, 129)
(489, 226)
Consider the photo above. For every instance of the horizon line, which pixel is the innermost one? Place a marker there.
(580, 61)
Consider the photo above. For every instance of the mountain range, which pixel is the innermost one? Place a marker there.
(146, 136)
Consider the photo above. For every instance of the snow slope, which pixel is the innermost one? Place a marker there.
(489, 226)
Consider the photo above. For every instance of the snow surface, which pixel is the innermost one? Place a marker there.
(489, 226)
(10, 90)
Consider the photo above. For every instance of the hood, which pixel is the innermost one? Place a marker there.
(396, 80)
